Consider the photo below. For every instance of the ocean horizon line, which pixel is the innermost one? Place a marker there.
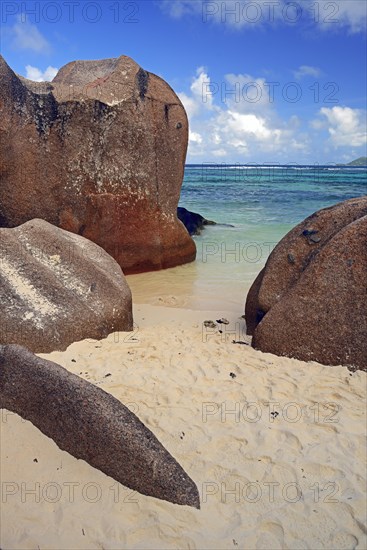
(275, 165)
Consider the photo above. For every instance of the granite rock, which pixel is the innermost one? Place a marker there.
(310, 300)
(57, 288)
(91, 425)
(100, 152)
(193, 222)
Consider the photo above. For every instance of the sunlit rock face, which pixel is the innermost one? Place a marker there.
(57, 288)
(99, 151)
(310, 299)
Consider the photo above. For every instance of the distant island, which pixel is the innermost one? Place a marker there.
(361, 161)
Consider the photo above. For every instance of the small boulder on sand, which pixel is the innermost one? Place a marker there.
(57, 288)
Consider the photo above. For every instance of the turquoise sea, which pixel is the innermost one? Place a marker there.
(262, 203)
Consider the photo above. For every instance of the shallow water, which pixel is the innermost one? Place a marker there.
(263, 204)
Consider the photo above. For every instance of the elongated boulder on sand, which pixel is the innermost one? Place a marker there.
(310, 300)
(91, 425)
(99, 151)
(57, 288)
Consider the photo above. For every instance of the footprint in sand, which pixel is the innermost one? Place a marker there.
(272, 536)
(344, 541)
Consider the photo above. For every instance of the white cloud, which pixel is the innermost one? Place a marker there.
(202, 88)
(178, 8)
(318, 124)
(190, 104)
(350, 14)
(307, 70)
(201, 94)
(256, 127)
(195, 137)
(26, 36)
(241, 92)
(35, 74)
(229, 124)
(346, 126)
(247, 93)
(219, 153)
(294, 122)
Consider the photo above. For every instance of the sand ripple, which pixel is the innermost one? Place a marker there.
(276, 447)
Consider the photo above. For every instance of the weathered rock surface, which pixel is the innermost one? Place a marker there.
(310, 300)
(91, 425)
(193, 222)
(99, 151)
(57, 288)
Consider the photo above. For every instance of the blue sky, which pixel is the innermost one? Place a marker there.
(268, 81)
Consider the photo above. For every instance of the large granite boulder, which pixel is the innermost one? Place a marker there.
(92, 425)
(99, 151)
(57, 288)
(310, 300)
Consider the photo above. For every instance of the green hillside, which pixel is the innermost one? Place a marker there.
(362, 161)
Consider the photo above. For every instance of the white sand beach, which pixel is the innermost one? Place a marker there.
(275, 446)
(198, 138)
